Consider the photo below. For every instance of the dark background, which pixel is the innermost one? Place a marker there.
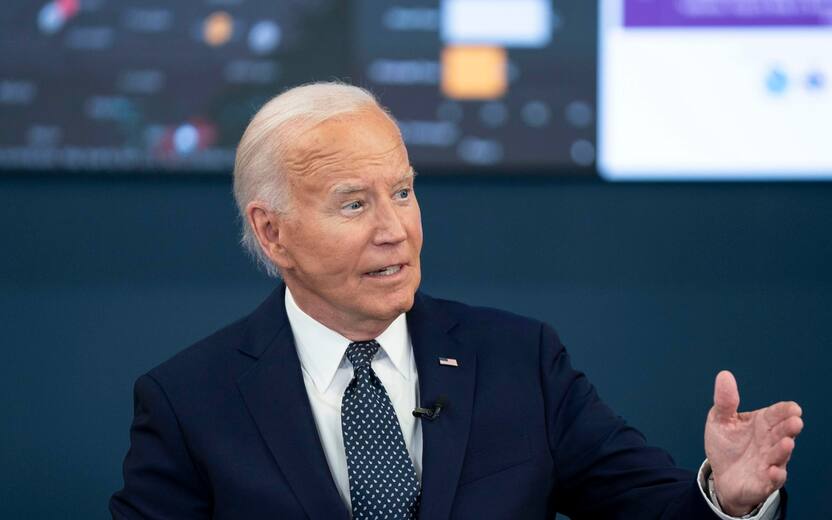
(653, 287)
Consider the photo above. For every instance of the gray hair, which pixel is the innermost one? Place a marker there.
(259, 173)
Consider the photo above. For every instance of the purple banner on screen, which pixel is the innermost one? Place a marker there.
(727, 13)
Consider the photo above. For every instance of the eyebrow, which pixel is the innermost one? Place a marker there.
(342, 189)
(408, 175)
(347, 188)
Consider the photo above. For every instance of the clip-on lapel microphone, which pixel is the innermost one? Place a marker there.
(431, 414)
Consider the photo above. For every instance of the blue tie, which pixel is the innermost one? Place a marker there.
(383, 483)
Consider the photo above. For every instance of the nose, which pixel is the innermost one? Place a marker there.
(389, 226)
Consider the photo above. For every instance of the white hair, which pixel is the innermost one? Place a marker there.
(259, 173)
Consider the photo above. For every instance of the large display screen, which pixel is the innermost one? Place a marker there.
(635, 89)
(98, 85)
(715, 89)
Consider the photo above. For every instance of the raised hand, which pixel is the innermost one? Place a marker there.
(748, 451)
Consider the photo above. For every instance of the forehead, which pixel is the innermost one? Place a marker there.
(364, 141)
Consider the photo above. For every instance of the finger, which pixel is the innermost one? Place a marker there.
(781, 411)
(777, 476)
(781, 452)
(790, 427)
(726, 395)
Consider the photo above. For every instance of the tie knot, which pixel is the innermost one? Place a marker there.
(361, 353)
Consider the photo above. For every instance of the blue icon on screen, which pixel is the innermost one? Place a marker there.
(815, 80)
(777, 81)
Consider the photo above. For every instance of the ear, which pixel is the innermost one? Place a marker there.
(269, 228)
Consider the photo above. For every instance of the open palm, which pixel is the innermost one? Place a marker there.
(748, 451)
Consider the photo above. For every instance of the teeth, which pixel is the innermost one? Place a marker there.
(387, 271)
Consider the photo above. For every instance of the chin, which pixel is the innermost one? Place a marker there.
(397, 304)
(407, 303)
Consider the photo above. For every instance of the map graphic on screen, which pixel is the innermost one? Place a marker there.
(99, 85)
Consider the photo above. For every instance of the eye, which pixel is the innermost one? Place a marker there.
(403, 193)
(354, 206)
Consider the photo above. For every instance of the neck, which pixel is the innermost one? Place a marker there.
(351, 327)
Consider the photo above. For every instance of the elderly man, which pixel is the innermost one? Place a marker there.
(350, 393)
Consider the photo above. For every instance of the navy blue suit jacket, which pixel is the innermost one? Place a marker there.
(225, 430)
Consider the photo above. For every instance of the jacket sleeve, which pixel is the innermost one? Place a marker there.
(603, 467)
(160, 477)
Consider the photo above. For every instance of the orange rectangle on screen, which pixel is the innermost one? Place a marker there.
(474, 72)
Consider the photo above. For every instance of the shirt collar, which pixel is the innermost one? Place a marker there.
(321, 350)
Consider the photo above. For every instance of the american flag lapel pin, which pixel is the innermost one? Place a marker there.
(448, 362)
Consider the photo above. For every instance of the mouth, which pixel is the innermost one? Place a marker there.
(390, 270)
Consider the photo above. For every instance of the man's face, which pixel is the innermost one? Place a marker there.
(352, 238)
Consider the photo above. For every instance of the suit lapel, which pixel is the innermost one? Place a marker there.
(444, 439)
(276, 398)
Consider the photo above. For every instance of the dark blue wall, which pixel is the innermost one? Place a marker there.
(653, 287)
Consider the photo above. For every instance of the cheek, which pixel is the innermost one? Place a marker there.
(332, 253)
(418, 239)
(415, 229)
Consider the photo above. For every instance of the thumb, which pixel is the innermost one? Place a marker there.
(726, 395)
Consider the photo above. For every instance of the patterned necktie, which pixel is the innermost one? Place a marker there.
(383, 483)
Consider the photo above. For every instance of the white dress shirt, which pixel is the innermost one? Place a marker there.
(327, 372)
